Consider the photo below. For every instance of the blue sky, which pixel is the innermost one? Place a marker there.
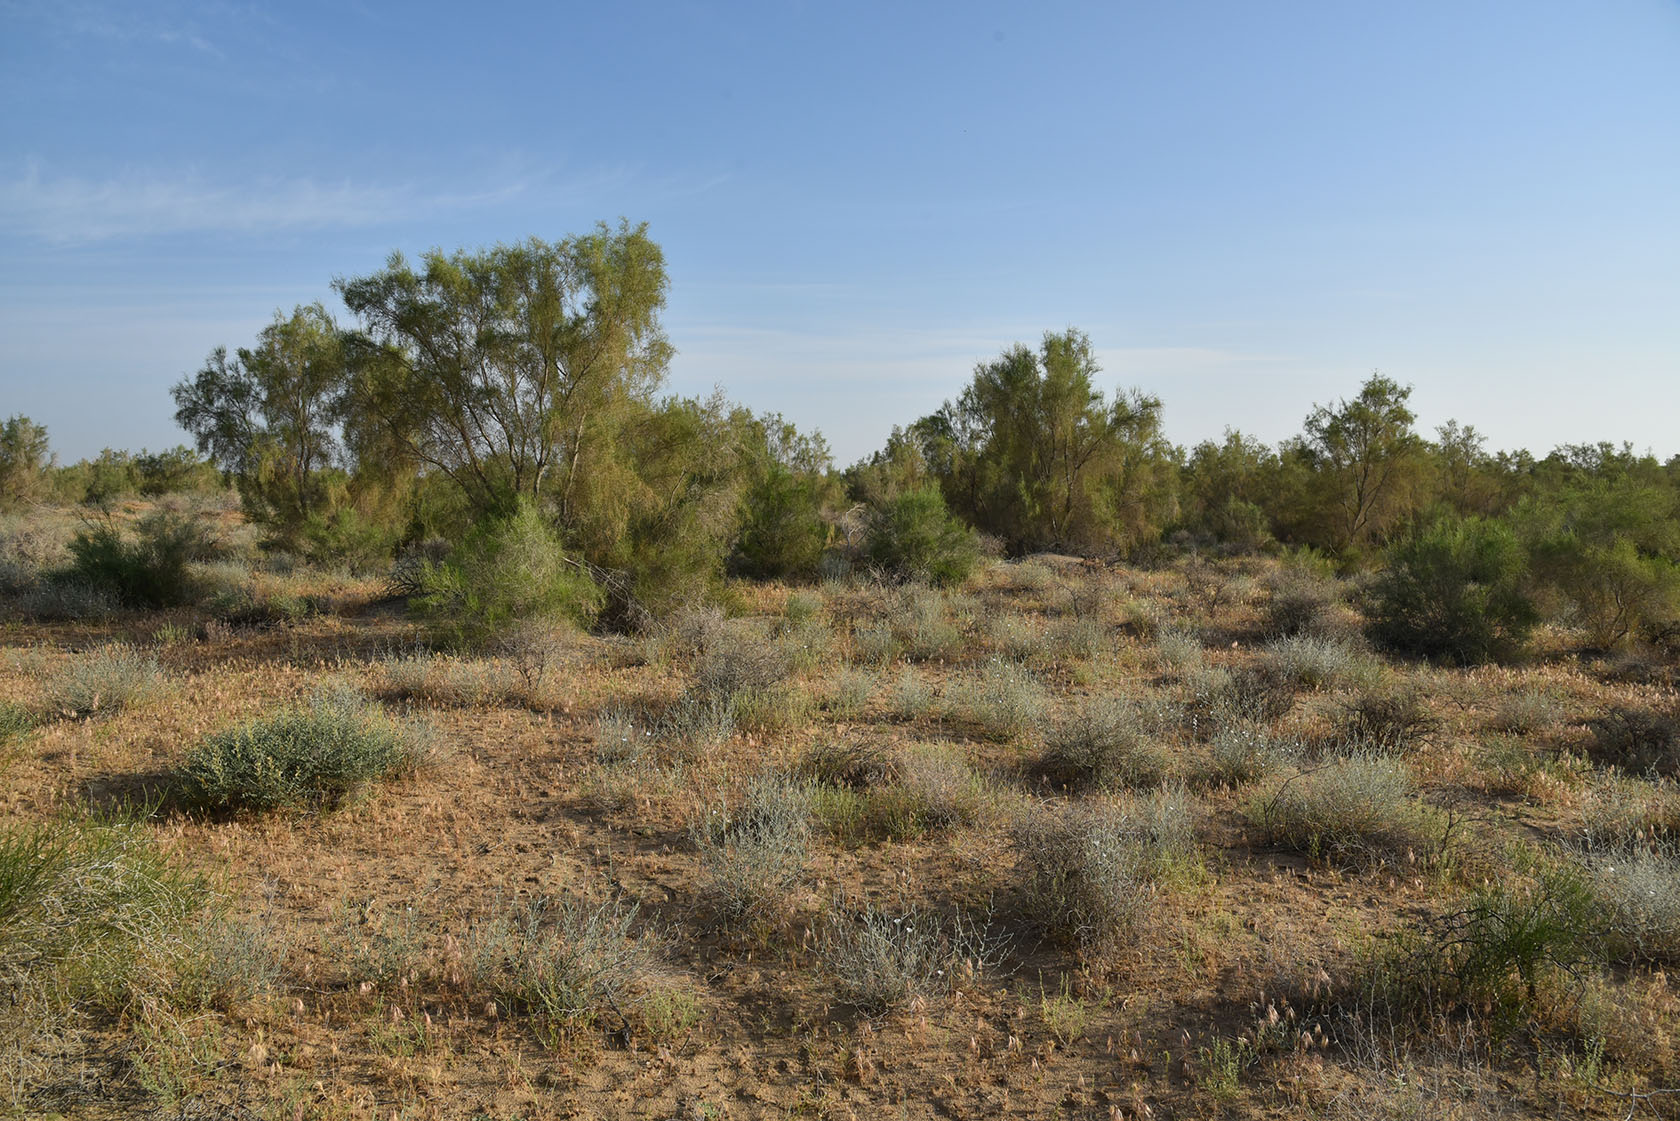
(1248, 206)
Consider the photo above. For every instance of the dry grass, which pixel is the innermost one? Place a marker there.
(725, 819)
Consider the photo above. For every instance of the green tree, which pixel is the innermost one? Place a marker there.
(788, 489)
(23, 461)
(913, 536)
(1365, 459)
(1225, 490)
(267, 416)
(1603, 527)
(1033, 452)
(509, 369)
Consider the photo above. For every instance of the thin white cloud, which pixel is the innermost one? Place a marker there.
(68, 210)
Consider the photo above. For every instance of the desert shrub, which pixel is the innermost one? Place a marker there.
(913, 536)
(1299, 600)
(1104, 743)
(1243, 751)
(621, 738)
(1015, 638)
(55, 599)
(1455, 592)
(753, 854)
(1307, 662)
(1392, 718)
(911, 697)
(106, 681)
(778, 708)
(698, 721)
(1638, 739)
(300, 757)
(1490, 958)
(1077, 636)
(149, 570)
(808, 643)
(875, 644)
(881, 960)
(850, 692)
(1092, 872)
(688, 632)
(1639, 887)
(1003, 698)
(568, 962)
(408, 571)
(1357, 809)
(1215, 696)
(506, 570)
(530, 648)
(847, 763)
(865, 794)
(735, 659)
(946, 790)
(924, 629)
(1179, 651)
(1623, 812)
(802, 606)
(782, 533)
(443, 680)
(1525, 713)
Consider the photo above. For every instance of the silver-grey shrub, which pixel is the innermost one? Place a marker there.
(1003, 698)
(753, 854)
(1640, 888)
(1092, 872)
(569, 961)
(108, 680)
(882, 960)
(1106, 743)
(1309, 662)
(308, 756)
(1356, 809)
(1244, 751)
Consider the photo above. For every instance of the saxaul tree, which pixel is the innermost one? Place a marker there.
(509, 370)
(1035, 453)
(267, 415)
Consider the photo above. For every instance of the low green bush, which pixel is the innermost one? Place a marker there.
(1455, 592)
(149, 569)
(913, 536)
(506, 570)
(312, 756)
(1492, 958)
(84, 905)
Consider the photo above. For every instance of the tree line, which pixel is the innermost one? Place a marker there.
(523, 385)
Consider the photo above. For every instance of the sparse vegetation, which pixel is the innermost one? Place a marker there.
(755, 851)
(1229, 858)
(1106, 744)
